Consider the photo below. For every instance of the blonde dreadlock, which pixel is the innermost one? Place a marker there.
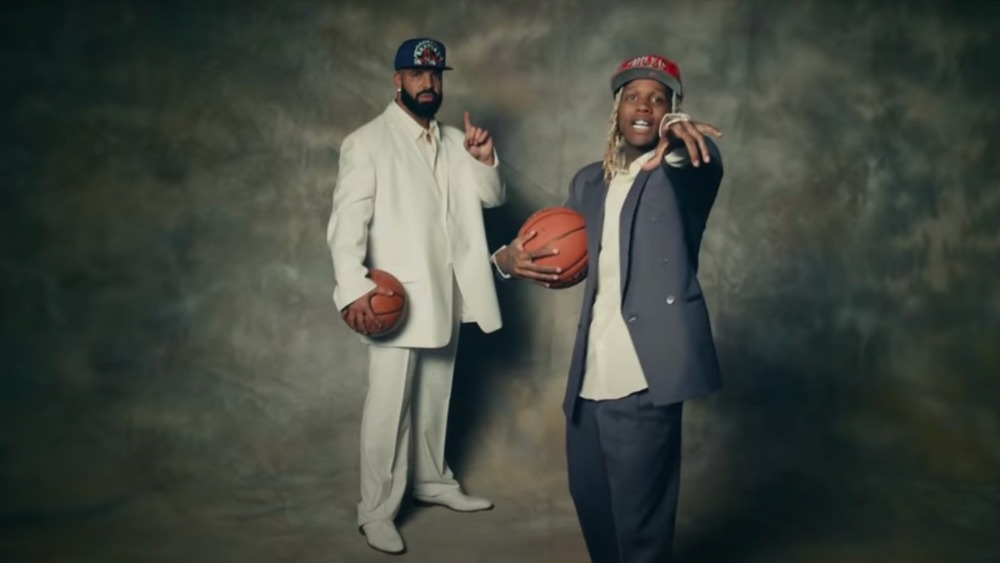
(614, 155)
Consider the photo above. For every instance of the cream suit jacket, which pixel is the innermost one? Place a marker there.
(390, 213)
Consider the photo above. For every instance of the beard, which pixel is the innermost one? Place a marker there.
(425, 110)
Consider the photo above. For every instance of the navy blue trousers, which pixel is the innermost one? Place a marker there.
(623, 459)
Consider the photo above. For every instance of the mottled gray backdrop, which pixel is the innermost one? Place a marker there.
(176, 385)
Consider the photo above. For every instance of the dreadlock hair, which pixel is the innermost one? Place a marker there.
(614, 154)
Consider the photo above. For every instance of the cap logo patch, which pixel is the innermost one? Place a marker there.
(646, 62)
(426, 53)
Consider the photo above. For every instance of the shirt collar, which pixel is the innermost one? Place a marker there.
(636, 165)
(410, 125)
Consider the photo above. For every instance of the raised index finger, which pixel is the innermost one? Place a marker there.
(469, 131)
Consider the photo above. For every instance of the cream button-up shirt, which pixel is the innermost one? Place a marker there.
(428, 142)
(612, 368)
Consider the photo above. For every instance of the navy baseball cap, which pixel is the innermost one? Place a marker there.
(421, 52)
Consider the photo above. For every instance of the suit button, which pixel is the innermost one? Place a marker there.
(632, 319)
(670, 300)
(665, 260)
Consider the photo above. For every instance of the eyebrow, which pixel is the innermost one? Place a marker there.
(637, 91)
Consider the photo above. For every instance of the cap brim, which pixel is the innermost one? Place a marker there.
(624, 77)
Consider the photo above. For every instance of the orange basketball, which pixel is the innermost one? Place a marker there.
(389, 309)
(564, 229)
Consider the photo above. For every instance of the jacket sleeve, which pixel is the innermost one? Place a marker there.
(489, 187)
(697, 186)
(347, 231)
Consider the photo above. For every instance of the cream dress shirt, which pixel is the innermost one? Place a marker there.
(612, 369)
(429, 142)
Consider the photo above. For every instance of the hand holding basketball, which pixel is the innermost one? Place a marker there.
(360, 316)
(520, 263)
(379, 311)
(551, 249)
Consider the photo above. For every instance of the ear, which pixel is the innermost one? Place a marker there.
(397, 81)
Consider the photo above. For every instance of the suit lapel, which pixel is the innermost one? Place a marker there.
(594, 194)
(442, 163)
(626, 221)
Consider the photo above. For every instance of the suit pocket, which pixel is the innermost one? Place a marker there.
(695, 298)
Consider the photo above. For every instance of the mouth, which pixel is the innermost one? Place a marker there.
(641, 125)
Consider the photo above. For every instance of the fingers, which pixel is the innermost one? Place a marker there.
(692, 148)
(525, 266)
(354, 321)
(683, 131)
(700, 140)
(518, 243)
(371, 322)
(533, 275)
(523, 262)
(474, 136)
(383, 291)
(541, 253)
(360, 316)
(657, 159)
(692, 134)
(470, 131)
(707, 129)
(368, 320)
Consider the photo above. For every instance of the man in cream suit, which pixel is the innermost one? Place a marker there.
(409, 200)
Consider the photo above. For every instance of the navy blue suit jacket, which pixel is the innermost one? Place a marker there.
(662, 222)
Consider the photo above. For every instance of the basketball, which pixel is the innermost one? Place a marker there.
(389, 310)
(564, 229)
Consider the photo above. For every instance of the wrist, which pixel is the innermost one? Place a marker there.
(499, 261)
(487, 159)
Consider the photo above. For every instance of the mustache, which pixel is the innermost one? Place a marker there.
(428, 91)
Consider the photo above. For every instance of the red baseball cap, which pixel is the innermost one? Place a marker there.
(655, 67)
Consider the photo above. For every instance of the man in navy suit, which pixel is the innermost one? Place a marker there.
(644, 344)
